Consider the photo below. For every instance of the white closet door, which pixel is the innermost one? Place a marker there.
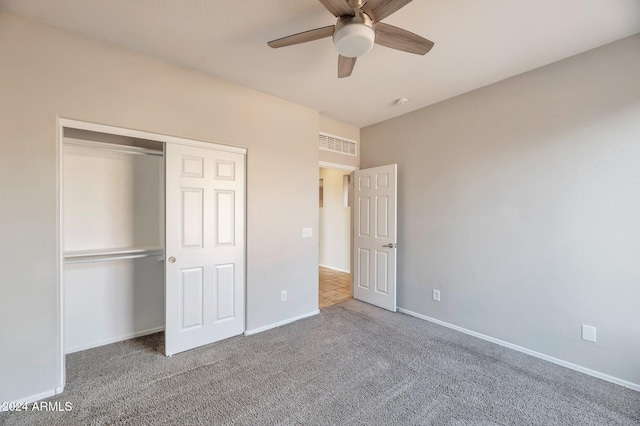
(204, 264)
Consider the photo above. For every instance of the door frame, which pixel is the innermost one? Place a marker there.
(63, 123)
(345, 168)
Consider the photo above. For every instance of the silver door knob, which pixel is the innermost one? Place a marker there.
(390, 245)
(171, 259)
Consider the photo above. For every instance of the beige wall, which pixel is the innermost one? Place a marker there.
(520, 202)
(48, 73)
(335, 223)
(338, 128)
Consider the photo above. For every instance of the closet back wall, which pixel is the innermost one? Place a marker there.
(48, 73)
(112, 200)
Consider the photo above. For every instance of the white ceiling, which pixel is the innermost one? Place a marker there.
(477, 42)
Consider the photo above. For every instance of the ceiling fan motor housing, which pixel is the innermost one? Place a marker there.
(354, 35)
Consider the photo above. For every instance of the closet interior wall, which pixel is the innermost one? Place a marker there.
(113, 204)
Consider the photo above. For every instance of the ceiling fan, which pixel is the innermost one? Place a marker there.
(358, 28)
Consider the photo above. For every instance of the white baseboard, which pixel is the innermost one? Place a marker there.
(278, 324)
(576, 367)
(335, 269)
(112, 340)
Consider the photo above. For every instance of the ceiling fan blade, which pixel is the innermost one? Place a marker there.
(380, 9)
(304, 37)
(338, 7)
(399, 39)
(345, 66)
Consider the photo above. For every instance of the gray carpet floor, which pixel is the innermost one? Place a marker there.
(351, 364)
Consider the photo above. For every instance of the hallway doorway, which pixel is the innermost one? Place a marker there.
(334, 237)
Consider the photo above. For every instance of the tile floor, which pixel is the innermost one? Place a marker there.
(335, 287)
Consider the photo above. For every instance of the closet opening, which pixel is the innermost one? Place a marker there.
(152, 239)
(113, 233)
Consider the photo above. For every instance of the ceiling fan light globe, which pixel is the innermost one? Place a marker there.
(354, 40)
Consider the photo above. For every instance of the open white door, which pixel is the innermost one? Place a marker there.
(375, 230)
(204, 265)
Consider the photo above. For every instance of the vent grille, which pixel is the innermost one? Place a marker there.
(336, 144)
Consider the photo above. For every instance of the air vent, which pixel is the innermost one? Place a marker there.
(336, 144)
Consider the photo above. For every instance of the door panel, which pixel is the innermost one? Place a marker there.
(226, 214)
(362, 278)
(192, 166)
(192, 217)
(192, 298)
(382, 217)
(375, 236)
(382, 274)
(204, 269)
(364, 213)
(225, 292)
(225, 170)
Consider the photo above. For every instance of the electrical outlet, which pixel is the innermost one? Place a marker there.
(436, 295)
(283, 295)
(307, 232)
(589, 333)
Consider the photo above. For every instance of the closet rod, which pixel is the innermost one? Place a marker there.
(108, 258)
(136, 151)
(103, 255)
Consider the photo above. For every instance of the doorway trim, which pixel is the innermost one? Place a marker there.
(63, 123)
(337, 166)
(122, 131)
